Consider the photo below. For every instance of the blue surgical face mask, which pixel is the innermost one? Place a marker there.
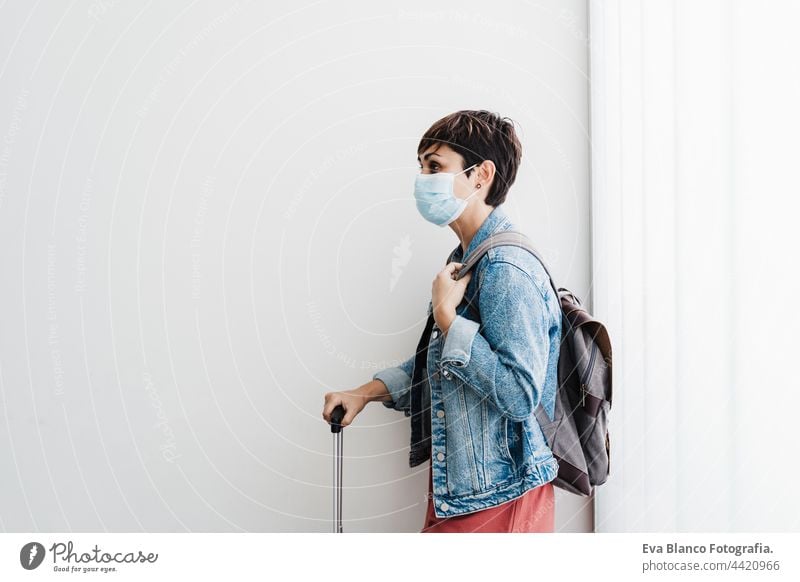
(435, 199)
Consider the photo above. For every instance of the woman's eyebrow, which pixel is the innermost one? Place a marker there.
(426, 156)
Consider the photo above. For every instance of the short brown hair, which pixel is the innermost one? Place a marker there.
(479, 135)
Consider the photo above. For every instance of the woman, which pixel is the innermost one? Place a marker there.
(492, 352)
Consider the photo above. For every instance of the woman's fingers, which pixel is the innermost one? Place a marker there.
(332, 400)
(451, 268)
(352, 406)
(348, 416)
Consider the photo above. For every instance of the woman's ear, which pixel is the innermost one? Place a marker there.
(485, 173)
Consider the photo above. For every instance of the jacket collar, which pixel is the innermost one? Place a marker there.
(497, 220)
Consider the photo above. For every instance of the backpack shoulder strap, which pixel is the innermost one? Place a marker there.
(506, 237)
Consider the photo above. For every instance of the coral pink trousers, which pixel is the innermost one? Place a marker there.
(533, 511)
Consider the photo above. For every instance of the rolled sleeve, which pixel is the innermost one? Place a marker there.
(504, 358)
(398, 382)
(458, 341)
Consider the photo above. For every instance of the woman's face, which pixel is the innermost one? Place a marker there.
(441, 158)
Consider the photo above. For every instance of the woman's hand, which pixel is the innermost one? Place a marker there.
(447, 293)
(353, 402)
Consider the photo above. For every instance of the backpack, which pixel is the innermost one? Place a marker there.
(578, 434)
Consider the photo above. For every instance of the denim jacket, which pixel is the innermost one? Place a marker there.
(497, 362)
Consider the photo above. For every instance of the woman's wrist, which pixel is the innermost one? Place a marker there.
(372, 390)
(444, 319)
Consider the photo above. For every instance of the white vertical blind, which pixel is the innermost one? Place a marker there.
(695, 124)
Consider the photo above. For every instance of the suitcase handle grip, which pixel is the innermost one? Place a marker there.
(336, 418)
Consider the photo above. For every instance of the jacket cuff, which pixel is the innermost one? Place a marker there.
(458, 341)
(398, 383)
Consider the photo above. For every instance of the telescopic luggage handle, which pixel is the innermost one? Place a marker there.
(336, 418)
(336, 428)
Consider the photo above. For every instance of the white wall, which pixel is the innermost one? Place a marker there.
(206, 222)
(694, 125)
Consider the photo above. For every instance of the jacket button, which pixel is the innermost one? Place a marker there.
(446, 373)
(440, 413)
(435, 334)
(444, 506)
(440, 456)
